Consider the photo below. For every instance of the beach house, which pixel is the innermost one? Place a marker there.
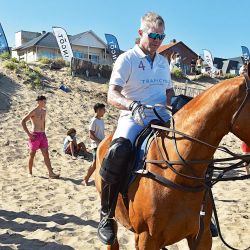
(182, 49)
(30, 46)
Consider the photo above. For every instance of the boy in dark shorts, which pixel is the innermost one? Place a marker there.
(96, 134)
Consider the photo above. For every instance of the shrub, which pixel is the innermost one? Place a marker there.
(10, 65)
(177, 73)
(229, 75)
(68, 72)
(5, 55)
(13, 59)
(44, 60)
(60, 61)
(22, 64)
(38, 71)
(33, 75)
(27, 71)
(202, 77)
(37, 81)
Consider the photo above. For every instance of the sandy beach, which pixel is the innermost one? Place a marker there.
(41, 213)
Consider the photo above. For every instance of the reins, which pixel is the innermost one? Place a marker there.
(206, 182)
(247, 80)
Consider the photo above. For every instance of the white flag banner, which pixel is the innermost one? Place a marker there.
(63, 43)
(209, 59)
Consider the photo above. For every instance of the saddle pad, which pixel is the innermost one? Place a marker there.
(140, 153)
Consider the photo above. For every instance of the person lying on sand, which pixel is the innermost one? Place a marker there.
(37, 138)
(71, 147)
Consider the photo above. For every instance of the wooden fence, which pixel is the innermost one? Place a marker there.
(83, 67)
(188, 91)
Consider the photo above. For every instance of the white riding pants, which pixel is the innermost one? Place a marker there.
(128, 129)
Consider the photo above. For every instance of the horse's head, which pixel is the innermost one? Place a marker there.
(240, 125)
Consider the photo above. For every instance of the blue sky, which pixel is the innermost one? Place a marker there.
(221, 26)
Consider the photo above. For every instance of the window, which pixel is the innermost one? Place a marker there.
(78, 54)
(48, 54)
(94, 58)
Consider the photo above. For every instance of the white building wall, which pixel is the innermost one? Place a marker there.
(22, 37)
(89, 40)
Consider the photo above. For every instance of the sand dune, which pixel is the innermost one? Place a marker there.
(40, 213)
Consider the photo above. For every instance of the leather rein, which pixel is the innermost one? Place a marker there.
(206, 182)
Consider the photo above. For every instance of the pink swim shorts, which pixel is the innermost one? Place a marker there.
(40, 141)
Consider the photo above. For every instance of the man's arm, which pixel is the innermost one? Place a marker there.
(169, 93)
(116, 99)
(23, 123)
(93, 137)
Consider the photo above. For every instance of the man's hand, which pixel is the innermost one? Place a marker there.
(138, 114)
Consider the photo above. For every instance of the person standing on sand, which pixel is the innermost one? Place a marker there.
(96, 134)
(198, 65)
(37, 138)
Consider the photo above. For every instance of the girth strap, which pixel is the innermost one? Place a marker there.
(168, 183)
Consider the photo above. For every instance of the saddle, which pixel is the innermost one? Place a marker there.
(144, 140)
(139, 154)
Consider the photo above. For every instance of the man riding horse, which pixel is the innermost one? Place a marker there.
(140, 76)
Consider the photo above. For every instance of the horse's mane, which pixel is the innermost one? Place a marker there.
(212, 96)
(210, 109)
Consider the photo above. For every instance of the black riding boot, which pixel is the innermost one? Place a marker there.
(106, 228)
(113, 168)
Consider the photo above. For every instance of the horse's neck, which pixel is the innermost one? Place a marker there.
(208, 118)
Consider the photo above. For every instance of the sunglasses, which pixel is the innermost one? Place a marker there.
(155, 36)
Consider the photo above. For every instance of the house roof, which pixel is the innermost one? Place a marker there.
(170, 45)
(73, 39)
(44, 40)
(48, 40)
(165, 47)
(237, 59)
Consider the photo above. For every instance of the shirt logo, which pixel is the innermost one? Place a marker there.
(141, 66)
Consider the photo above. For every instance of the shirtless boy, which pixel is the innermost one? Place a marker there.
(37, 138)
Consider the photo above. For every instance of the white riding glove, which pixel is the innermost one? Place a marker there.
(137, 110)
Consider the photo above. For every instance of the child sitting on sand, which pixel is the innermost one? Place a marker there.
(71, 147)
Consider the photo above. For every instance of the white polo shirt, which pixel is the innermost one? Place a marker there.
(140, 80)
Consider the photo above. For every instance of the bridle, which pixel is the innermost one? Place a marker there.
(208, 180)
(247, 81)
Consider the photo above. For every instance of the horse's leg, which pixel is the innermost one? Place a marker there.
(205, 242)
(144, 241)
(115, 246)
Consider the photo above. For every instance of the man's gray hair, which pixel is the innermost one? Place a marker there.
(150, 20)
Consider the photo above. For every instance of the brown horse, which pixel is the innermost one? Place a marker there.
(160, 216)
